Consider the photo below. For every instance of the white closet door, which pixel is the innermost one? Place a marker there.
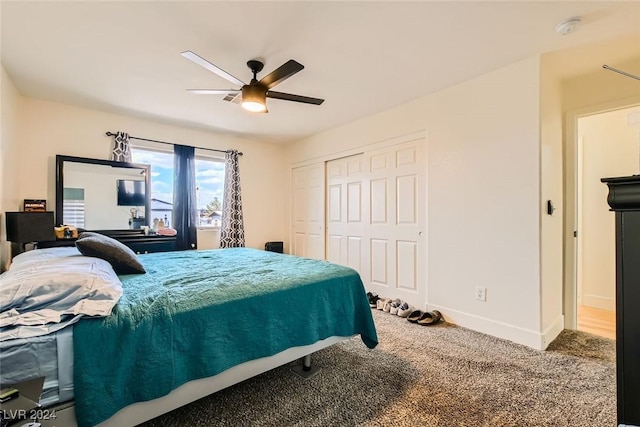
(376, 219)
(308, 211)
(345, 211)
(397, 222)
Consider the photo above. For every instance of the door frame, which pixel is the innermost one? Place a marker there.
(571, 200)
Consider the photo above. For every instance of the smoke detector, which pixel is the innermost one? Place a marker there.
(568, 26)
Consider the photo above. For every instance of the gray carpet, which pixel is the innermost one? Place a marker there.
(441, 375)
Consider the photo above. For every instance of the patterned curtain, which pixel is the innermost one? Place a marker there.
(232, 229)
(121, 148)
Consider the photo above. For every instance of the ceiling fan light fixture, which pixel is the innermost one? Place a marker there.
(254, 107)
(253, 96)
(254, 99)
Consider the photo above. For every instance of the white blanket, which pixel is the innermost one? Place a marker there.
(46, 290)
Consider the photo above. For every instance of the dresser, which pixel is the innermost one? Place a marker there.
(134, 239)
(624, 199)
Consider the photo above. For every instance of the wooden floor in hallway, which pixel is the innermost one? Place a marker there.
(597, 321)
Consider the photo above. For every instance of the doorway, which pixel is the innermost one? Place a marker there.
(606, 147)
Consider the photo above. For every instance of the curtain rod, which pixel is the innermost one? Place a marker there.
(108, 133)
(606, 67)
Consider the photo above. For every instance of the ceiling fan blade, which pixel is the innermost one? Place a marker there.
(281, 73)
(214, 91)
(209, 66)
(296, 98)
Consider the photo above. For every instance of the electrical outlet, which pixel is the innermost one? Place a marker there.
(481, 294)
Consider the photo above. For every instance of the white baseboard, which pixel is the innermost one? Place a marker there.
(552, 332)
(534, 339)
(597, 301)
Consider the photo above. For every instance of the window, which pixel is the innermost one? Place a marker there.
(161, 182)
(209, 190)
(209, 184)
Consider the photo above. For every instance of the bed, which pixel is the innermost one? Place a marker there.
(196, 322)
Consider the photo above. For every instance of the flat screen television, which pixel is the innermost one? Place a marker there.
(131, 193)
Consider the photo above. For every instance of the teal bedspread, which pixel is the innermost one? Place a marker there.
(197, 313)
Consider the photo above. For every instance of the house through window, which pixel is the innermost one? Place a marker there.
(209, 184)
(209, 190)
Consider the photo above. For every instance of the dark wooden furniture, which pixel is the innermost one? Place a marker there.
(27, 227)
(624, 199)
(135, 239)
(274, 247)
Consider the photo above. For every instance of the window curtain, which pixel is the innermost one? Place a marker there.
(185, 210)
(232, 229)
(121, 148)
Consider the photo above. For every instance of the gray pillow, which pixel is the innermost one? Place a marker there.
(85, 234)
(122, 258)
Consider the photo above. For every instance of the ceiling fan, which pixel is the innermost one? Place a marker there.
(253, 95)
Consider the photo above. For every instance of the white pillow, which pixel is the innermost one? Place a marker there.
(45, 290)
(40, 255)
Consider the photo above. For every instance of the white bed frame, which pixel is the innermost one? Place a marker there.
(143, 411)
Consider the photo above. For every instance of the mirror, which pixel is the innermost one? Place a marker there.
(98, 194)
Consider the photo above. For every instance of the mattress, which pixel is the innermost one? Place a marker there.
(49, 356)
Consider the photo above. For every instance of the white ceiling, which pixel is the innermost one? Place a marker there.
(362, 57)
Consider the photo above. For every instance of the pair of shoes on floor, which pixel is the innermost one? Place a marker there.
(382, 302)
(397, 307)
(404, 310)
(425, 318)
(373, 299)
(394, 306)
(391, 306)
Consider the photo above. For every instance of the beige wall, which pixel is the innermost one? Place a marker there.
(607, 147)
(483, 209)
(9, 108)
(551, 175)
(51, 128)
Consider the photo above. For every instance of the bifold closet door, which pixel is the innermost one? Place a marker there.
(308, 211)
(346, 222)
(376, 218)
(397, 222)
